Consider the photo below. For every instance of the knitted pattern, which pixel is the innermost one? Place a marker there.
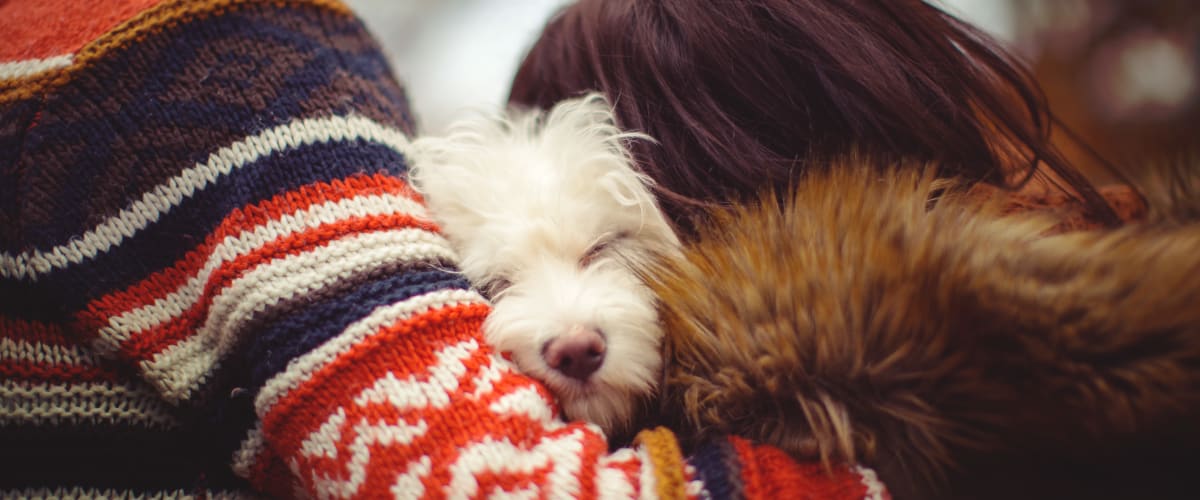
(214, 279)
(663, 450)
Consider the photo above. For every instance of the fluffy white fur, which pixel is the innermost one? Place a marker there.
(549, 217)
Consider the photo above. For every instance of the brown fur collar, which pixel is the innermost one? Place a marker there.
(961, 354)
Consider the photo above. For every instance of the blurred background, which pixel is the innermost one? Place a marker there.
(1123, 74)
(455, 55)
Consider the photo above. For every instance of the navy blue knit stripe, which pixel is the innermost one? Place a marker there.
(168, 240)
(300, 330)
(716, 463)
(83, 135)
(13, 119)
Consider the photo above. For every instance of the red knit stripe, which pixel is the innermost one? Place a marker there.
(511, 482)
(146, 344)
(593, 451)
(164, 282)
(36, 29)
(44, 370)
(769, 473)
(273, 477)
(632, 468)
(34, 331)
(32, 371)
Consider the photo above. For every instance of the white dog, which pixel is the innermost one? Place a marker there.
(549, 219)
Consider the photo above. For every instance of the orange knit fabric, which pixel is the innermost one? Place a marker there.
(767, 472)
(36, 29)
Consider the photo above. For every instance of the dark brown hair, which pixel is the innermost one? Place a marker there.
(744, 95)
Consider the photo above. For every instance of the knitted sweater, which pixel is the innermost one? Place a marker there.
(214, 280)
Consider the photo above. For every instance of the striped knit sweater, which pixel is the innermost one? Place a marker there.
(215, 281)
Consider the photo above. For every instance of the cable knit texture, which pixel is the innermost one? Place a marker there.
(215, 281)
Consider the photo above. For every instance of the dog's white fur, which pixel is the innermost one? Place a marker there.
(546, 212)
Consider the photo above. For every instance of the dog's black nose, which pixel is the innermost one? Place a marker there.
(576, 354)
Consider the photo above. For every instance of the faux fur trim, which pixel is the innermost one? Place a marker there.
(885, 318)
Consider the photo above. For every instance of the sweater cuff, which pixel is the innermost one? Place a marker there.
(662, 449)
(735, 468)
(409, 401)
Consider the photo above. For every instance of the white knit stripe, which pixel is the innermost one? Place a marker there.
(529, 403)
(181, 368)
(484, 382)
(613, 484)
(39, 352)
(409, 484)
(647, 484)
(875, 487)
(302, 368)
(611, 481)
(19, 69)
(562, 453)
(125, 325)
(166, 196)
(617, 458)
(323, 441)
(695, 485)
(85, 402)
(249, 451)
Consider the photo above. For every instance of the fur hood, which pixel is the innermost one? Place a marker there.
(961, 353)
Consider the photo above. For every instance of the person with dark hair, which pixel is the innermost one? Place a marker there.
(848, 291)
(747, 95)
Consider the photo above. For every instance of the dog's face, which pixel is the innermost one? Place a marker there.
(551, 221)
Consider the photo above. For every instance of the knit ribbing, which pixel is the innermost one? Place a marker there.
(663, 450)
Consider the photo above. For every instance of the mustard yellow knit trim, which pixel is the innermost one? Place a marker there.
(167, 14)
(667, 459)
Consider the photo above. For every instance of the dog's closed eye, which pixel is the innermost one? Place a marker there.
(494, 287)
(598, 248)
